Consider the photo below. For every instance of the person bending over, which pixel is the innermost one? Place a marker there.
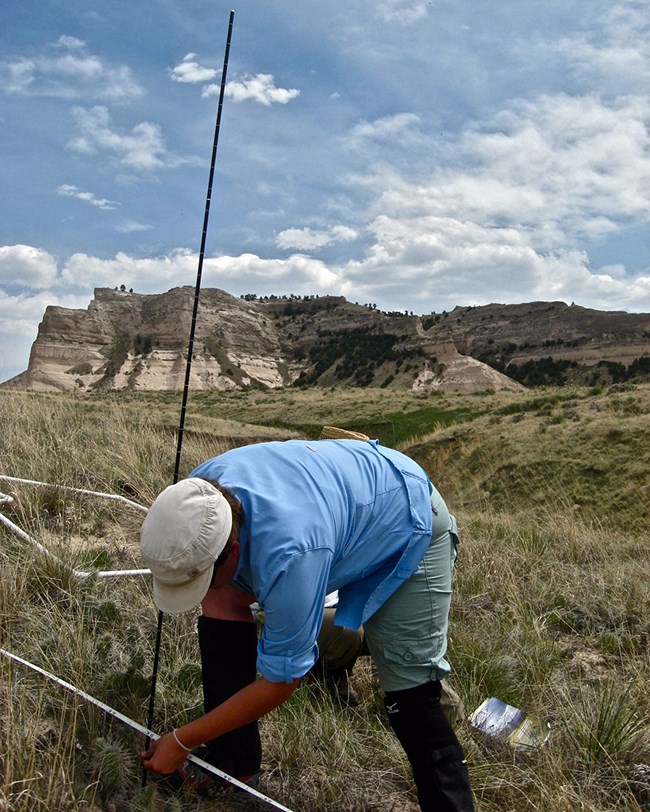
(283, 524)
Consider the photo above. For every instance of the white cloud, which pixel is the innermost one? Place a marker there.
(236, 274)
(132, 226)
(73, 75)
(555, 170)
(295, 274)
(574, 159)
(447, 259)
(343, 233)
(617, 57)
(401, 142)
(70, 190)
(431, 263)
(17, 76)
(85, 272)
(20, 316)
(432, 259)
(507, 215)
(403, 12)
(605, 290)
(306, 239)
(190, 72)
(71, 43)
(142, 149)
(387, 127)
(260, 88)
(27, 267)
(81, 273)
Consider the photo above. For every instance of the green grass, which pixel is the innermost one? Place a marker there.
(551, 611)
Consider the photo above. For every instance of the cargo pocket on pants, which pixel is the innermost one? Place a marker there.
(455, 539)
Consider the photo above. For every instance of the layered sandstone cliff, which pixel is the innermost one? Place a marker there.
(131, 340)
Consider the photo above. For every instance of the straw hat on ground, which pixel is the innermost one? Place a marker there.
(335, 433)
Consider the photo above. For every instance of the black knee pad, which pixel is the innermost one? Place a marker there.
(418, 719)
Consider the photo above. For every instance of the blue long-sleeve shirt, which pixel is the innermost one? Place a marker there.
(321, 516)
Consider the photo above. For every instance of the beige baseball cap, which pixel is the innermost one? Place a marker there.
(181, 537)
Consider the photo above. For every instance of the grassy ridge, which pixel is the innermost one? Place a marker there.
(551, 611)
(582, 451)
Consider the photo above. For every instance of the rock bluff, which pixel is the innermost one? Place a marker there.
(137, 341)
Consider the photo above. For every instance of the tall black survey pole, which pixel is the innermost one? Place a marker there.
(197, 290)
(190, 346)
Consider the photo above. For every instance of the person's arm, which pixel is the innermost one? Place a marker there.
(165, 755)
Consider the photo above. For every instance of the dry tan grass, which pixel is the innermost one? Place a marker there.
(552, 607)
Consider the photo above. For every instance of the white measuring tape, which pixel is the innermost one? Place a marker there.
(114, 496)
(79, 574)
(142, 729)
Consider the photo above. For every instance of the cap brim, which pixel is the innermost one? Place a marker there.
(181, 598)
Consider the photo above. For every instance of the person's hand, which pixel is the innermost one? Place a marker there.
(164, 756)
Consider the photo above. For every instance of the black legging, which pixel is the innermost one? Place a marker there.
(228, 664)
(429, 741)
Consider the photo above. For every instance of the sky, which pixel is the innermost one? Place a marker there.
(410, 154)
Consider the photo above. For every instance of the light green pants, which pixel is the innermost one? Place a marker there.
(407, 636)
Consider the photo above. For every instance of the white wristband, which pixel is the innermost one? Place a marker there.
(180, 743)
